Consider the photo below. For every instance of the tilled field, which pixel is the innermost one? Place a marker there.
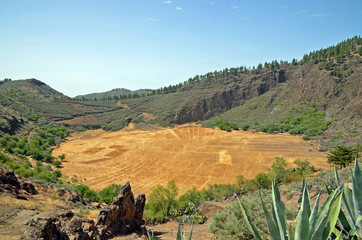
(188, 154)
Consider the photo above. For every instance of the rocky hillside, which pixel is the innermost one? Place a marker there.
(269, 95)
(324, 84)
(113, 93)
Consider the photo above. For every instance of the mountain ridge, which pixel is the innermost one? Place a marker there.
(326, 81)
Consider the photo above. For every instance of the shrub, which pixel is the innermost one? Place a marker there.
(108, 193)
(57, 163)
(278, 169)
(86, 192)
(245, 127)
(234, 126)
(161, 201)
(229, 223)
(292, 177)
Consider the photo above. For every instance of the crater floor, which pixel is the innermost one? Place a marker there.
(188, 154)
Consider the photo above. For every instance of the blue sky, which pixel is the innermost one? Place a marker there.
(84, 46)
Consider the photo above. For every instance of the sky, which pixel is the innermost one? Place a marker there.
(86, 46)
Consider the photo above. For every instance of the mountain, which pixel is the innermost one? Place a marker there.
(14, 113)
(32, 102)
(114, 92)
(325, 85)
(318, 96)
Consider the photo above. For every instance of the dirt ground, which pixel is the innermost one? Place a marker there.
(188, 154)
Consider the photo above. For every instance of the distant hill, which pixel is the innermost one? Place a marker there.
(319, 96)
(14, 95)
(325, 84)
(30, 88)
(114, 92)
(32, 102)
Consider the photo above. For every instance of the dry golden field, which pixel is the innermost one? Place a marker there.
(188, 154)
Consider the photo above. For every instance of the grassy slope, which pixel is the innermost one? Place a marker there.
(264, 96)
(112, 93)
(339, 98)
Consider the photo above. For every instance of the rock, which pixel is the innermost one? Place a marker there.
(122, 217)
(29, 188)
(73, 196)
(10, 184)
(8, 181)
(60, 226)
(229, 95)
(209, 209)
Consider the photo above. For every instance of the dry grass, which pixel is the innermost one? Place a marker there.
(188, 154)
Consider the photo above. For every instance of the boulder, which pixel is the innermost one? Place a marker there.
(10, 184)
(60, 226)
(122, 217)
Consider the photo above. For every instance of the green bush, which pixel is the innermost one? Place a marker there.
(278, 169)
(86, 192)
(108, 193)
(225, 125)
(245, 127)
(24, 169)
(162, 201)
(57, 163)
(229, 223)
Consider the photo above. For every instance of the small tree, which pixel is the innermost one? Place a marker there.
(57, 163)
(61, 157)
(342, 156)
(278, 169)
(162, 200)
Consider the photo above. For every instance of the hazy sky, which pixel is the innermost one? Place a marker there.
(84, 46)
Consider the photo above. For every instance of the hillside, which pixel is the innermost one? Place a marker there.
(321, 91)
(113, 93)
(32, 102)
(269, 95)
(54, 165)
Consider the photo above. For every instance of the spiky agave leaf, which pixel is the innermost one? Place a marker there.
(333, 215)
(302, 221)
(336, 175)
(357, 193)
(313, 216)
(251, 226)
(272, 227)
(180, 235)
(279, 212)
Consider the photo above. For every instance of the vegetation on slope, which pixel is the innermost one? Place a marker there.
(261, 97)
(306, 120)
(163, 205)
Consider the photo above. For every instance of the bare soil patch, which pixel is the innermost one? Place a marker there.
(80, 120)
(188, 154)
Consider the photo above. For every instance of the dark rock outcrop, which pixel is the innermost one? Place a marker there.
(10, 184)
(228, 96)
(122, 217)
(61, 226)
(12, 124)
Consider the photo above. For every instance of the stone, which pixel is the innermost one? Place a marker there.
(122, 217)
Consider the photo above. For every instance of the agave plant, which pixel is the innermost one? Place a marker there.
(311, 224)
(180, 235)
(350, 220)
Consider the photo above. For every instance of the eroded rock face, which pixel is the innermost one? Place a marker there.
(61, 226)
(123, 216)
(10, 184)
(228, 96)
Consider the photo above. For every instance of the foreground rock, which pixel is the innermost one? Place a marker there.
(123, 216)
(9, 184)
